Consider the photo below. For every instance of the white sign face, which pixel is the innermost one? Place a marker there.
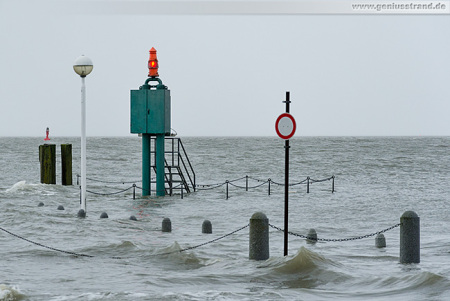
(285, 126)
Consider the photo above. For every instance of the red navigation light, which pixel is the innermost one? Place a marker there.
(153, 64)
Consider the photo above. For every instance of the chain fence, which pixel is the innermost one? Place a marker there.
(207, 242)
(336, 239)
(118, 257)
(202, 187)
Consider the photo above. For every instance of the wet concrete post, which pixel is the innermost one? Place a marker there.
(47, 159)
(259, 237)
(380, 241)
(166, 225)
(206, 227)
(409, 238)
(311, 236)
(66, 164)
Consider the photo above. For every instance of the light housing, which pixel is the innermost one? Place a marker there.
(83, 66)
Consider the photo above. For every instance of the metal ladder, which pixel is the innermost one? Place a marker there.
(178, 172)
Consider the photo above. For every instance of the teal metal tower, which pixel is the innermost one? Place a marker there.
(150, 116)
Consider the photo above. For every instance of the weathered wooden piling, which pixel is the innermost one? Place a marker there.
(47, 159)
(166, 225)
(206, 227)
(66, 164)
(259, 237)
(409, 237)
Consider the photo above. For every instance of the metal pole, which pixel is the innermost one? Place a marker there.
(83, 144)
(227, 188)
(160, 168)
(286, 184)
(146, 160)
(246, 183)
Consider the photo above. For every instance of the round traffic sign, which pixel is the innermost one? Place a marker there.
(285, 126)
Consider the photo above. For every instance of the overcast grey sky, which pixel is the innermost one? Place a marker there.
(228, 74)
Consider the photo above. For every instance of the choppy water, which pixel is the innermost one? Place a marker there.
(377, 179)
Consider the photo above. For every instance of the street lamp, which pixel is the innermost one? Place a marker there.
(83, 66)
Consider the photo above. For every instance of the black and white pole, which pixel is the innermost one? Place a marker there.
(285, 127)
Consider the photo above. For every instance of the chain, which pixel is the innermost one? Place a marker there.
(44, 246)
(205, 243)
(112, 193)
(115, 257)
(337, 239)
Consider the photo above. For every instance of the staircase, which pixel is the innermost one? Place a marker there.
(178, 171)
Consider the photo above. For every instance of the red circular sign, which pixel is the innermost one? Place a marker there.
(285, 126)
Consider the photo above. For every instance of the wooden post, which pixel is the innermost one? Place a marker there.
(47, 159)
(66, 162)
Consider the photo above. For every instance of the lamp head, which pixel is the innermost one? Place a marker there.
(83, 66)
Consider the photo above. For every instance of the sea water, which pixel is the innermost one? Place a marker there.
(377, 179)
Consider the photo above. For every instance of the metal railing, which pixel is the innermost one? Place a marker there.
(177, 163)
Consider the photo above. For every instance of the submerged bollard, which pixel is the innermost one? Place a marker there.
(380, 241)
(311, 236)
(81, 213)
(166, 225)
(259, 237)
(409, 238)
(47, 159)
(206, 227)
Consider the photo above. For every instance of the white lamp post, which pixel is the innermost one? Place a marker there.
(83, 66)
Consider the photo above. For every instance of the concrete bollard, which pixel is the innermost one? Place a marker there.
(380, 241)
(47, 159)
(312, 236)
(81, 213)
(206, 227)
(409, 238)
(166, 225)
(66, 164)
(259, 237)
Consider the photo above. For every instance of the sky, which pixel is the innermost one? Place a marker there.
(228, 73)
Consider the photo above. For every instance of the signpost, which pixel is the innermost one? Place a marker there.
(285, 127)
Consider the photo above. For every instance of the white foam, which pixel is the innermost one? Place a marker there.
(18, 186)
(8, 293)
